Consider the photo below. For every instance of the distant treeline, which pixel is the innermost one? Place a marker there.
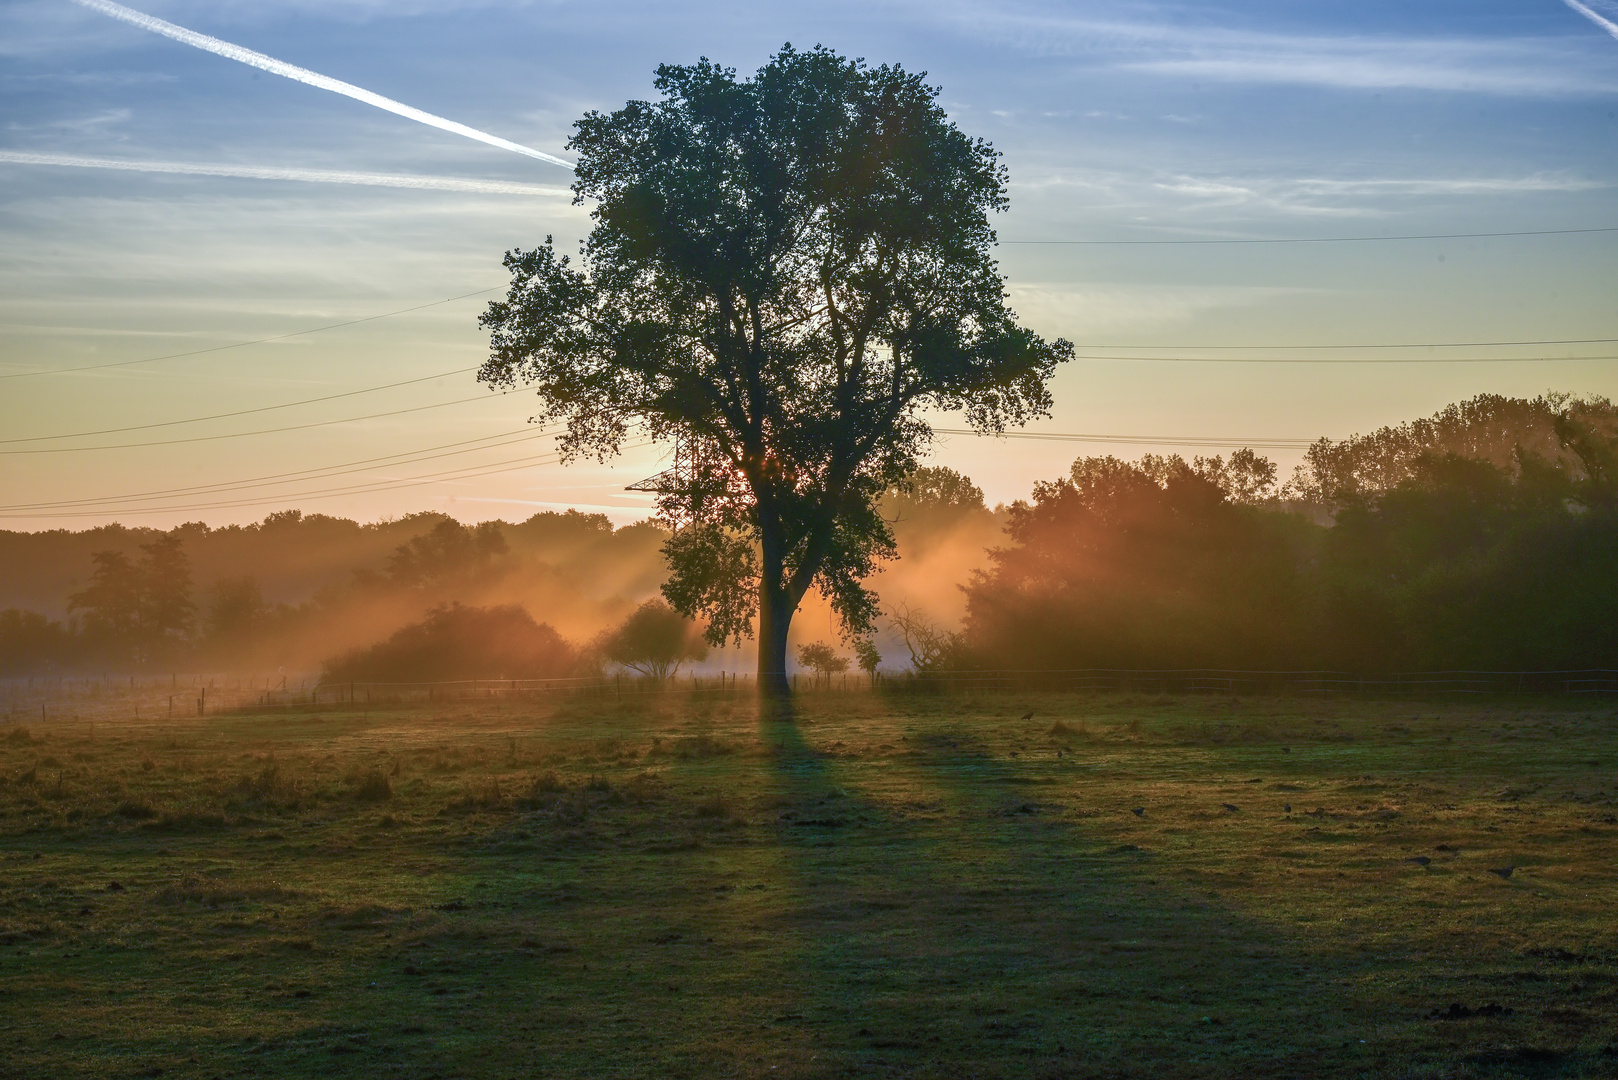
(421, 598)
(1485, 537)
(135, 602)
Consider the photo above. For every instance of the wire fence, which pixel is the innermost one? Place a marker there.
(1312, 683)
(145, 697)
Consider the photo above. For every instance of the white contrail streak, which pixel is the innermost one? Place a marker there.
(1600, 20)
(303, 75)
(319, 176)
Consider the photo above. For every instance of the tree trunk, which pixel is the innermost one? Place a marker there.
(774, 620)
(774, 617)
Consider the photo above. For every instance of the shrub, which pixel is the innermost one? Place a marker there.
(655, 640)
(371, 785)
(455, 642)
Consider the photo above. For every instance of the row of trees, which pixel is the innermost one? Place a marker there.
(140, 607)
(1413, 555)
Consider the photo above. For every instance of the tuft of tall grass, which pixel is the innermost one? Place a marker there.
(369, 784)
(269, 788)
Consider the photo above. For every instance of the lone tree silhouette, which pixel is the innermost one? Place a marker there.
(784, 273)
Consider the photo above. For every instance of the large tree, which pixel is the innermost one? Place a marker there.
(784, 275)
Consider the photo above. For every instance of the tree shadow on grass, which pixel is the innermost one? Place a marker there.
(949, 921)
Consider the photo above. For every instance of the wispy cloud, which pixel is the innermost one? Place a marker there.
(1326, 197)
(83, 125)
(262, 172)
(1589, 12)
(304, 75)
(1299, 196)
(1098, 309)
(1490, 65)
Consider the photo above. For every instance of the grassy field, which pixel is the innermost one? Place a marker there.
(892, 886)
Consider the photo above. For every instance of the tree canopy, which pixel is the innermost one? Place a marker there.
(138, 610)
(784, 275)
(655, 640)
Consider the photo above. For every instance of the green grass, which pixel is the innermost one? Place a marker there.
(894, 886)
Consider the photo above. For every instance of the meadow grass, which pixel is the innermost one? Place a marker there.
(916, 886)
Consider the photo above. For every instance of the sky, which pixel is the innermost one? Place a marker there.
(194, 249)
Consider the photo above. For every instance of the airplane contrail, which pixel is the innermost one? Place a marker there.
(256, 172)
(1596, 17)
(303, 75)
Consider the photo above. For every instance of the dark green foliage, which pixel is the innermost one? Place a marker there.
(31, 642)
(785, 273)
(1143, 565)
(928, 504)
(821, 658)
(449, 551)
(655, 640)
(138, 611)
(1554, 432)
(456, 642)
(1431, 561)
(866, 655)
(1462, 567)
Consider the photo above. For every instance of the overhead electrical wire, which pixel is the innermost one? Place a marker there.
(1263, 443)
(124, 503)
(1315, 239)
(1379, 345)
(359, 489)
(408, 457)
(1345, 360)
(244, 344)
(467, 473)
(350, 489)
(240, 412)
(262, 431)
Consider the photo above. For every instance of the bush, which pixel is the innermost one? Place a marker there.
(372, 786)
(655, 640)
(456, 642)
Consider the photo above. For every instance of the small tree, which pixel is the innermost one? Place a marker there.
(139, 610)
(926, 641)
(655, 640)
(822, 659)
(111, 602)
(867, 656)
(167, 613)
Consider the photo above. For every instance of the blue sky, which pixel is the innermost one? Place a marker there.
(1118, 122)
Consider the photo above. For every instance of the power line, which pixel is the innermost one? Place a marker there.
(243, 344)
(353, 489)
(1263, 443)
(243, 412)
(1349, 360)
(468, 473)
(1321, 239)
(263, 431)
(1380, 345)
(409, 457)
